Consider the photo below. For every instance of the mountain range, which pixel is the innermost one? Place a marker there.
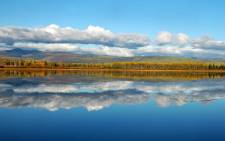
(85, 58)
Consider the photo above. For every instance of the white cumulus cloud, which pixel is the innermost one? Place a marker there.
(100, 41)
(55, 34)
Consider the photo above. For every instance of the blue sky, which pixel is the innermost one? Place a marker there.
(194, 18)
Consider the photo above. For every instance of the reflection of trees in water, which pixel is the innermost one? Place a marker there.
(129, 75)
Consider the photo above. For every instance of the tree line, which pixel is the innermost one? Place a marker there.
(192, 65)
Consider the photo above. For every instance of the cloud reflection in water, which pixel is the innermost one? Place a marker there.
(98, 95)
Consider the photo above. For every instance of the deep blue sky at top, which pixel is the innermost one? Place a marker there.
(193, 17)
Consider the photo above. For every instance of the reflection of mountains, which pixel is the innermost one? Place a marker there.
(97, 95)
(125, 75)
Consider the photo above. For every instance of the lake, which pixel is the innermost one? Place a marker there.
(108, 106)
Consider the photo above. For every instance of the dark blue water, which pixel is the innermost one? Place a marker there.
(90, 109)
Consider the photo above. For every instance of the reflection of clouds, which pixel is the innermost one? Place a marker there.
(150, 88)
(76, 88)
(181, 100)
(177, 99)
(197, 96)
(98, 95)
(177, 88)
(4, 87)
(162, 101)
(43, 88)
(54, 102)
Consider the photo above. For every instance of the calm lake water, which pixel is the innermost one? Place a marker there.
(111, 107)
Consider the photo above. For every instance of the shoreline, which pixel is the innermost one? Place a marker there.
(109, 70)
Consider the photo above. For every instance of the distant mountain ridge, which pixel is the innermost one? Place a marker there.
(86, 58)
(17, 52)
